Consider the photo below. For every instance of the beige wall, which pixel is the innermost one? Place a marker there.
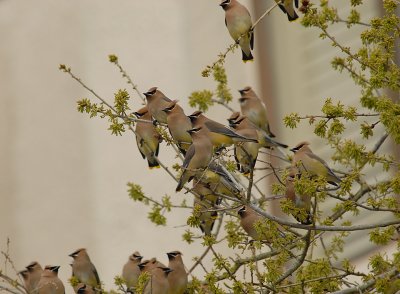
(63, 176)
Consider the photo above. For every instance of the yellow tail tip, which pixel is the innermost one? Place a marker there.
(152, 167)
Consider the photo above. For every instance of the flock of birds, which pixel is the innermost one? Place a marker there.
(198, 139)
(171, 279)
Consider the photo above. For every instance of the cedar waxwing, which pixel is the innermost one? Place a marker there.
(254, 109)
(84, 270)
(204, 200)
(178, 278)
(131, 270)
(147, 265)
(242, 122)
(299, 201)
(35, 272)
(197, 157)
(147, 138)
(248, 220)
(305, 160)
(25, 277)
(219, 134)
(158, 283)
(156, 102)
(238, 22)
(178, 125)
(287, 7)
(82, 288)
(49, 282)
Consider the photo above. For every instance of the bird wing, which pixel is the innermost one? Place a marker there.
(251, 40)
(96, 275)
(189, 155)
(315, 157)
(218, 128)
(139, 143)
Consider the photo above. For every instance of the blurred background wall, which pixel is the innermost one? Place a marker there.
(63, 176)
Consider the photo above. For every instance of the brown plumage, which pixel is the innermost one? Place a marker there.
(83, 269)
(254, 109)
(220, 135)
(248, 218)
(238, 23)
(82, 288)
(131, 270)
(25, 278)
(178, 125)
(147, 265)
(156, 102)
(147, 138)
(302, 202)
(305, 160)
(178, 278)
(35, 272)
(197, 157)
(49, 282)
(158, 283)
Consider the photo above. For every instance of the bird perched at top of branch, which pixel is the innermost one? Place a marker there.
(83, 268)
(238, 22)
(178, 278)
(156, 102)
(49, 282)
(287, 7)
(147, 138)
(254, 109)
(305, 160)
(220, 135)
(178, 125)
(197, 157)
(35, 272)
(131, 270)
(300, 201)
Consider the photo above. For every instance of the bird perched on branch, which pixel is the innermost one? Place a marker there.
(49, 282)
(131, 271)
(177, 278)
(84, 270)
(238, 22)
(300, 201)
(254, 109)
(178, 125)
(306, 161)
(156, 102)
(35, 272)
(158, 283)
(147, 138)
(220, 135)
(197, 157)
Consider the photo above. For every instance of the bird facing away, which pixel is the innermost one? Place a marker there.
(156, 102)
(197, 157)
(202, 205)
(158, 283)
(49, 282)
(147, 138)
(25, 278)
(178, 278)
(287, 7)
(238, 22)
(254, 109)
(35, 272)
(147, 265)
(306, 161)
(220, 135)
(82, 288)
(178, 125)
(131, 270)
(300, 201)
(83, 269)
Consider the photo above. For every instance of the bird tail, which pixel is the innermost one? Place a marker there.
(247, 57)
(292, 17)
(152, 162)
